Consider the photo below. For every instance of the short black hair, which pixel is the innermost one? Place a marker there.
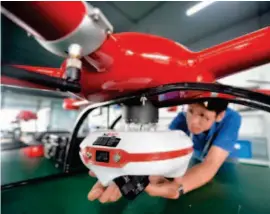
(217, 105)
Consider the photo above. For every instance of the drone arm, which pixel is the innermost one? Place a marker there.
(57, 25)
(45, 20)
(238, 54)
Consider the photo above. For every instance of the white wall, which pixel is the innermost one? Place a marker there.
(260, 73)
(254, 124)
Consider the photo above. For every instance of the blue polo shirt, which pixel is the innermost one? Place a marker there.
(227, 130)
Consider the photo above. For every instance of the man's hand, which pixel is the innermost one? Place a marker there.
(158, 186)
(161, 187)
(104, 194)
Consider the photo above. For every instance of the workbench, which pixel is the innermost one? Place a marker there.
(16, 167)
(237, 188)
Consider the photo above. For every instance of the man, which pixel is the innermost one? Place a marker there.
(214, 130)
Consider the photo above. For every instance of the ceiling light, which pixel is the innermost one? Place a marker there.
(198, 7)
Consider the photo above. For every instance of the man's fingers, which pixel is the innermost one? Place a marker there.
(166, 190)
(92, 174)
(119, 194)
(156, 179)
(115, 195)
(96, 191)
(105, 197)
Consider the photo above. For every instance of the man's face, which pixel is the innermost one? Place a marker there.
(199, 119)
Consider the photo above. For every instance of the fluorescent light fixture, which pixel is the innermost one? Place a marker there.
(198, 7)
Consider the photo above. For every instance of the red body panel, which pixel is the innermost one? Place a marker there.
(133, 61)
(127, 158)
(127, 62)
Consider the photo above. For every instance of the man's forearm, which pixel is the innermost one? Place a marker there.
(196, 177)
(202, 173)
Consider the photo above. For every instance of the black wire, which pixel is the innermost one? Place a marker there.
(115, 122)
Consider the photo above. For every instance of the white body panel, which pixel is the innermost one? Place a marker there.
(144, 142)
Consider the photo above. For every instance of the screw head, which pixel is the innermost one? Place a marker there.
(95, 17)
(89, 154)
(117, 157)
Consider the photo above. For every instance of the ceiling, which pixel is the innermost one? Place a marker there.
(169, 19)
(219, 22)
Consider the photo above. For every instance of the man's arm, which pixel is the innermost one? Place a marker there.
(202, 173)
(194, 178)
